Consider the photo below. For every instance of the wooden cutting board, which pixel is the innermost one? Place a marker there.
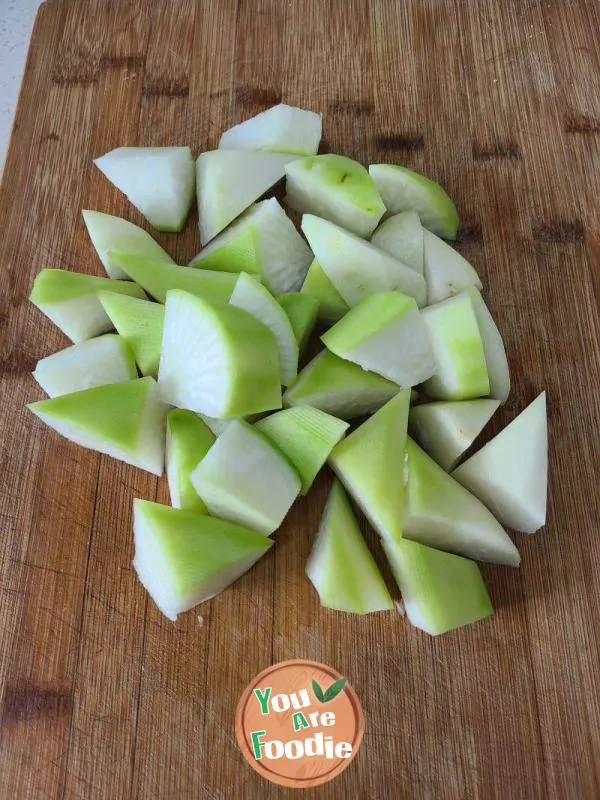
(101, 696)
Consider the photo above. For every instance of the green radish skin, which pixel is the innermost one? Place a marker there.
(460, 365)
(446, 430)
(440, 591)
(258, 301)
(306, 436)
(263, 242)
(402, 237)
(282, 129)
(440, 513)
(357, 268)
(113, 234)
(70, 301)
(188, 440)
(159, 181)
(183, 558)
(401, 189)
(228, 181)
(447, 273)
(493, 347)
(217, 360)
(510, 473)
(123, 420)
(335, 188)
(106, 359)
(370, 464)
(244, 479)
(332, 306)
(339, 387)
(158, 277)
(140, 324)
(340, 566)
(385, 334)
(302, 311)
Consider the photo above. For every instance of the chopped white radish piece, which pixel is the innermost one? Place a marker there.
(440, 591)
(493, 347)
(140, 323)
(332, 305)
(402, 189)
(335, 188)
(510, 473)
(217, 359)
(159, 181)
(70, 300)
(188, 440)
(460, 366)
(446, 430)
(302, 311)
(441, 513)
(447, 273)
(183, 558)
(216, 425)
(262, 242)
(340, 566)
(306, 436)
(228, 181)
(402, 237)
(124, 420)
(245, 479)
(385, 334)
(370, 464)
(107, 359)
(113, 234)
(282, 129)
(357, 268)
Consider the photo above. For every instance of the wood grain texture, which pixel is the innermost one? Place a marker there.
(100, 696)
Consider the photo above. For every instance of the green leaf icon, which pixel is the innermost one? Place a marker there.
(318, 692)
(334, 689)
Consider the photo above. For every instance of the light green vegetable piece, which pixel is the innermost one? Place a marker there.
(332, 306)
(302, 311)
(493, 347)
(123, 420)
(447, 273)
(282, 128)
(340, 566)
(183, 558)
(370, 464)
(440, 591)
(402, 237)
(140, 323)
(306, 436)
(402, 189)
(188, 440)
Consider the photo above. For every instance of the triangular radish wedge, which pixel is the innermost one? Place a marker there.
(334, 188)
(447, 273)
(510, 473)
(446, 430)
(217, 359)
(402, 237)
(258, 301)
(302, 311)
(243, 478)
(340, 565)
(106, 359)
(159, 181)
(282, 129)
(339, 387)
(263, 241)
(385, 334)
(188, 440)
(113, 234)
(493, 347)
(440, 591)
(370, 464)
(332, 305)
(124, 420)
(140, 323)
(357, 268)
(228, 181)
(158, 277)
(441, 513)
(306, 436)
(183, 558)
(70, 300)
(460, 365)
(401, 189)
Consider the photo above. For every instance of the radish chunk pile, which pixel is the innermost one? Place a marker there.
(305, 337)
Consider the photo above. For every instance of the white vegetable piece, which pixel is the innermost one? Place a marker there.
(510, 473)
(282, 129)
(188, 440)
(402, 237)
(140, 323)
(447, 273)
(493, 347)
